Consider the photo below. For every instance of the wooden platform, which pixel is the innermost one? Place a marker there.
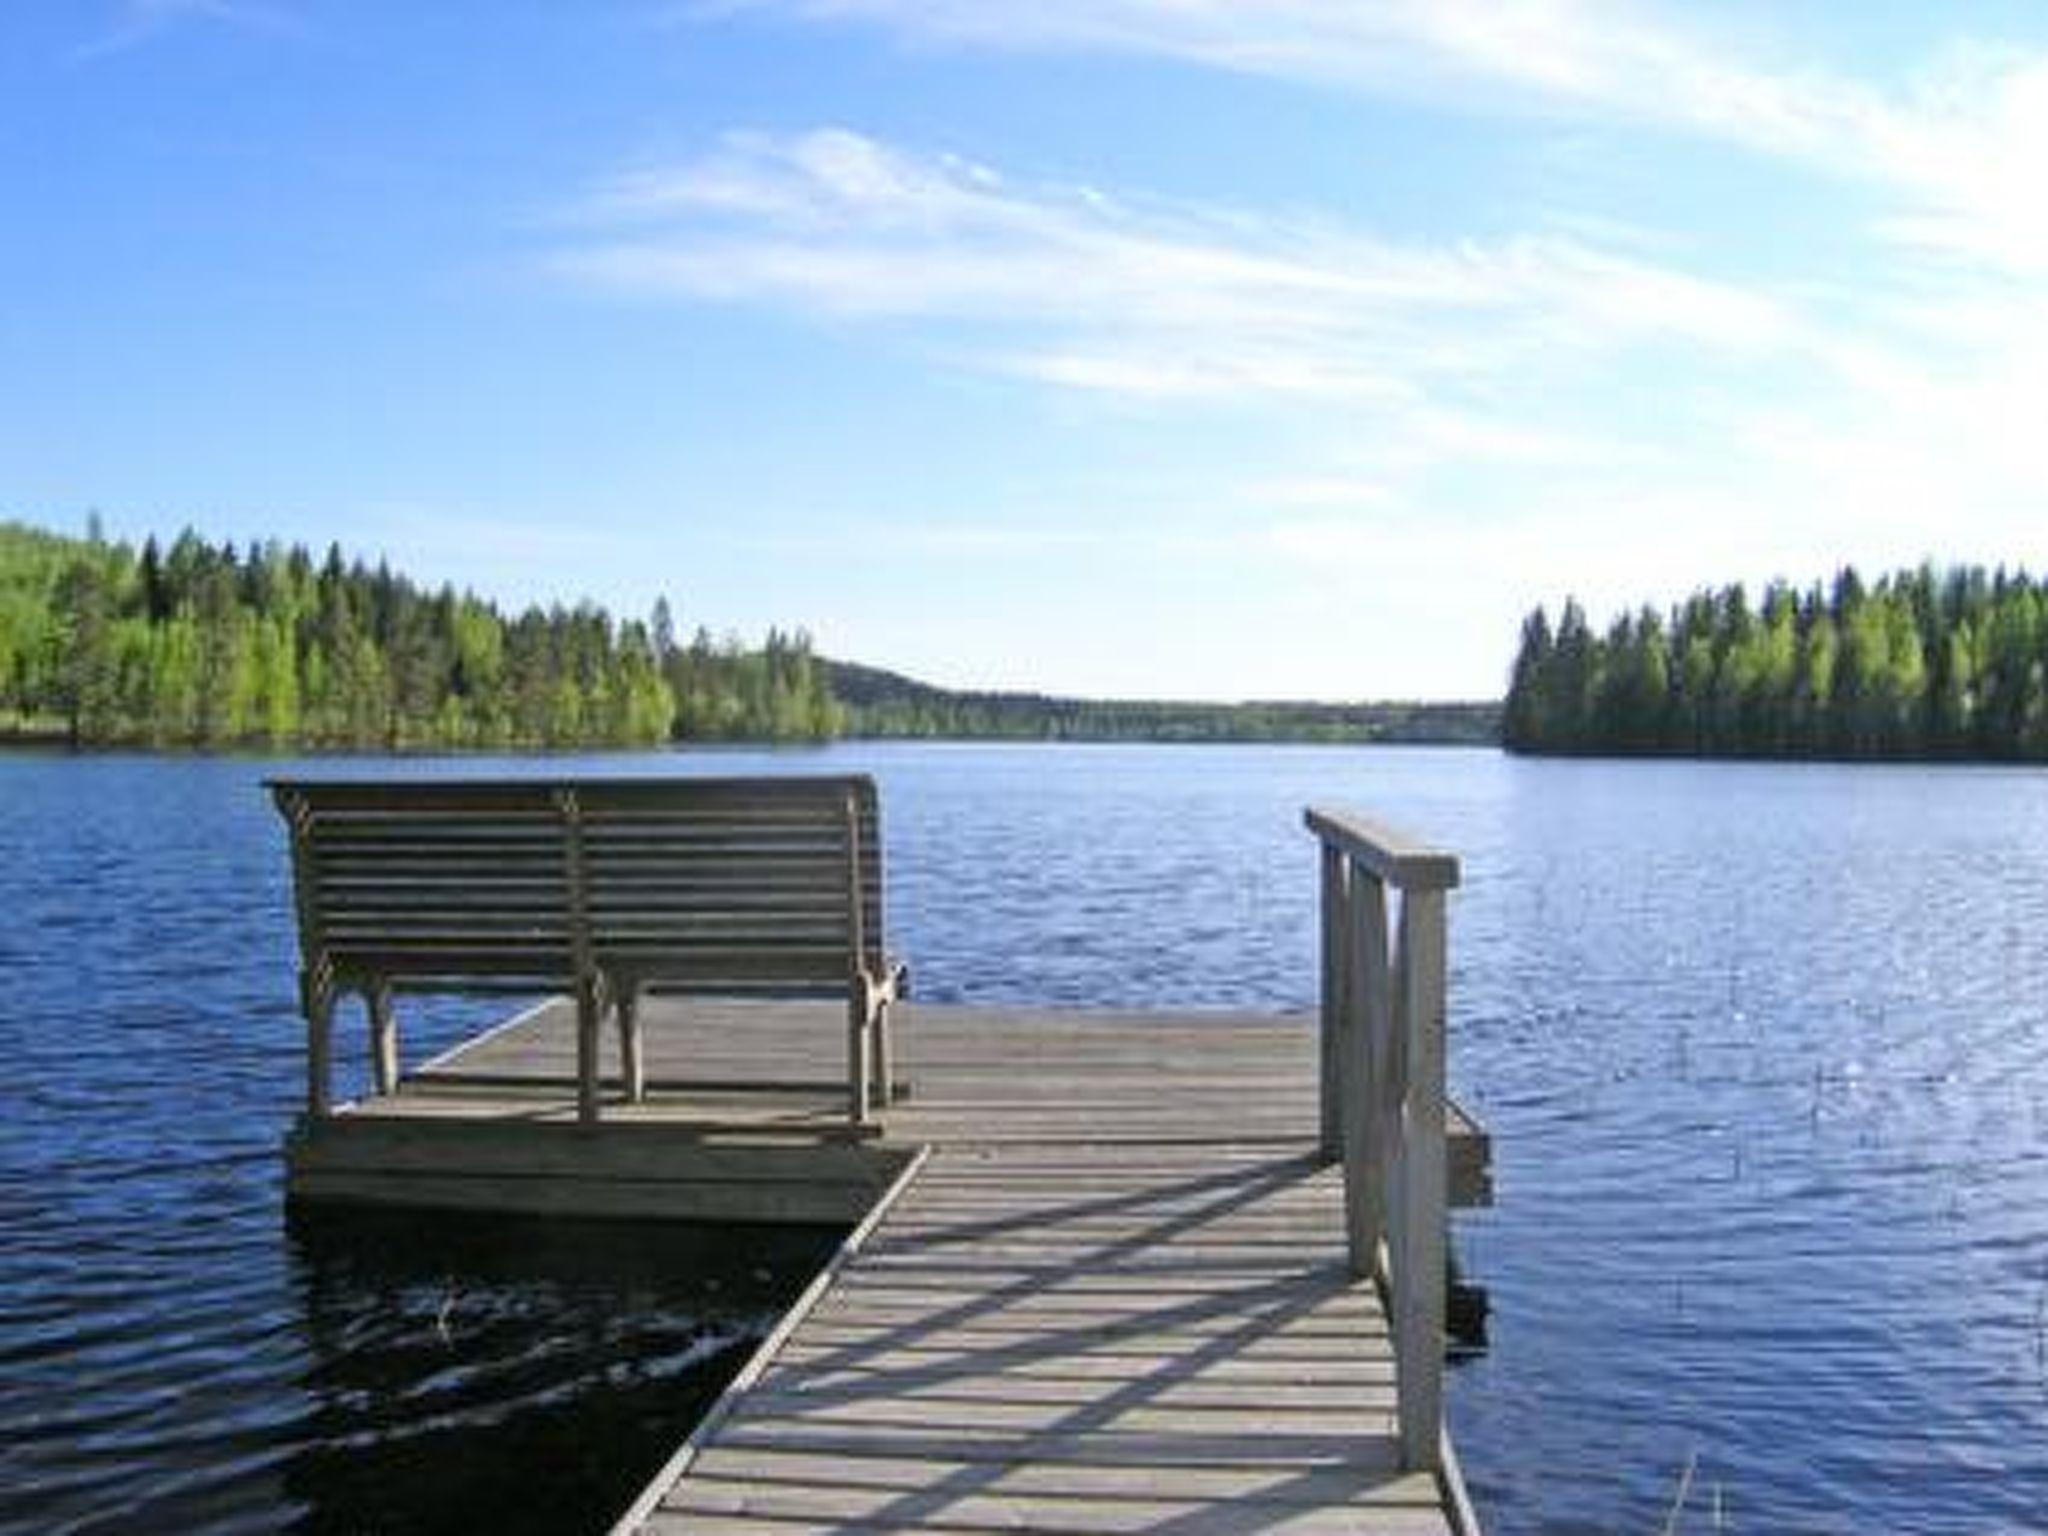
(1098, 1284)
(745, 1118)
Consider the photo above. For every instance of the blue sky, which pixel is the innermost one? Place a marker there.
(1203, 348)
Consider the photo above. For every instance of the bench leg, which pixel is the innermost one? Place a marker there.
(383, 1039)
(589, 1016)
(885, 1056)
(318, 1003)
(632, 1065)
(859, 1071)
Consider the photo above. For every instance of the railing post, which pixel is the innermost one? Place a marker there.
(1331, 1034)
(1419, 1287)
(1382, 1080)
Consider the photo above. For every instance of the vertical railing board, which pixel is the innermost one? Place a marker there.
(1419, 1298)
(1329, 1055)
(1364, 1122)
(859, 1009)
(1390, 1093)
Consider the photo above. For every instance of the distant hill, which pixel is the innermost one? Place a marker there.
(878, 703)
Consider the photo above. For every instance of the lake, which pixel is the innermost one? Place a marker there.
(1764, 1051)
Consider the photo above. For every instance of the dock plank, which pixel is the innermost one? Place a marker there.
(1188, 1354)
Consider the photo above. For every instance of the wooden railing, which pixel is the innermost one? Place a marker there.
(1382, 1063)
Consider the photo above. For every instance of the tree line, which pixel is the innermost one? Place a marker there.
(885, 704)
(200, 645)
(1925, 664)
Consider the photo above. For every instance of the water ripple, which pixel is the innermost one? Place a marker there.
(1764, 1051)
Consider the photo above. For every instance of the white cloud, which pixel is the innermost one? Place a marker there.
(1075, 288)
(1963, 146)
(1470, 424)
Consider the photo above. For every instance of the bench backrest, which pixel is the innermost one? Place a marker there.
(764, 884)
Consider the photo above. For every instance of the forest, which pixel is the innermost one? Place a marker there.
(201, 645)
(880, 703)
(1924, 664)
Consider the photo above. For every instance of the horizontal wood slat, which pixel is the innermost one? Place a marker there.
(1391, 855)
(731, 878)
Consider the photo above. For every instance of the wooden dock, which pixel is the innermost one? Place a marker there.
(1082, 1309)
(1109, 1272)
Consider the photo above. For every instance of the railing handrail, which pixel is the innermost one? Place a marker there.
(1392, 855)
(1383, 1099)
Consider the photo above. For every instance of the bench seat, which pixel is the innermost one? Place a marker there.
(606, 888)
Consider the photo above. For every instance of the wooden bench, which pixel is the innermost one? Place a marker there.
(603, 888)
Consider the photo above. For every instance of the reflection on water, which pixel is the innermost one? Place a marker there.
(531, 1369)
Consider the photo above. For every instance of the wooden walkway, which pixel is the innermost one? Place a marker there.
(1101, 1285)
(1072, 1338)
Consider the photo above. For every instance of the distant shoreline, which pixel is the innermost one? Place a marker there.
(59, 741)
(878, 704)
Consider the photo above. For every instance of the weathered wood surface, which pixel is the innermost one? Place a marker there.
(1387, 853)
(1114, 1298)
(973, 1075)
(1383, 1024)
(1073, 1336)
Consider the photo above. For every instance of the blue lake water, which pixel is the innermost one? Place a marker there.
(1764, 1051)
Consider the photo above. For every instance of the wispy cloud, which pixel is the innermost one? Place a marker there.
(135, 22)
(1602, 402)
(1073, 287)
(1963, 144)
